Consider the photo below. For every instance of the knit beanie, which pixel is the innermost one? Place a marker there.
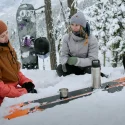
(3, 27)
(78, 18)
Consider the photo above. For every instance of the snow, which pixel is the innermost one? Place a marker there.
(123, 8)
(1, 14)
(100, 108)
(25, 54)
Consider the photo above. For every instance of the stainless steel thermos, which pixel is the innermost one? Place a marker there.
(95, 71)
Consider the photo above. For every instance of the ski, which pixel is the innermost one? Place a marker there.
(44, 104)
(49, 99)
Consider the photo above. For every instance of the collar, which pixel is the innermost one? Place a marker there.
(4, 44)
(77, 38)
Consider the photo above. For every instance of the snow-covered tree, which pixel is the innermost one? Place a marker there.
(85, 3)
(117, 31)
(60, 21)
(99, 22)
(107, 23)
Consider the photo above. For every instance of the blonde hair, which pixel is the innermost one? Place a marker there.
(82, 32)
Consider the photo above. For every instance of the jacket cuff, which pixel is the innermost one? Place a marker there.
(78, 60)
(64, 68)
(64, 61)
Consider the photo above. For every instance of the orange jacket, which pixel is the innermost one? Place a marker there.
(10, 75)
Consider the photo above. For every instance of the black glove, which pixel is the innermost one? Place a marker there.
(33, 91)
(29, 86)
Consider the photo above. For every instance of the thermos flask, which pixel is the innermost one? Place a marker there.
(96, 77)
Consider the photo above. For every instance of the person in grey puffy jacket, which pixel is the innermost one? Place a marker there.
(79, 48)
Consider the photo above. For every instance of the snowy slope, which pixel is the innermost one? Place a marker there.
(99, 108)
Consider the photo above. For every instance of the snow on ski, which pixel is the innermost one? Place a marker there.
(16, 111)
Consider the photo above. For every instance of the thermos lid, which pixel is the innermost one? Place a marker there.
(95, 63)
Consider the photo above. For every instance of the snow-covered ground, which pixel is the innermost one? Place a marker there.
(100, 108)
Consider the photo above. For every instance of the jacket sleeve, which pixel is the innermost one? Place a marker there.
(64, 50)
(7, 90)
(23, 79)
(92, 53)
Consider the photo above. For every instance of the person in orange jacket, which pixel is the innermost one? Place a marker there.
(10, 74)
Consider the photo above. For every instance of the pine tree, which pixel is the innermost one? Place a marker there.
(99, 14)
(107, 22)
(116, 31)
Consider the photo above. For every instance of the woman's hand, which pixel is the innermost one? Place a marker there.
(72, 60)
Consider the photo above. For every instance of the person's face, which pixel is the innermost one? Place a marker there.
(4, 37)
(75, 27)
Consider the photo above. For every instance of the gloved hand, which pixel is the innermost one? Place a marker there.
(29, 86)
(72, 60)
(33, 91)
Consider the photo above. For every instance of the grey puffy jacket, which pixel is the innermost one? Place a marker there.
(74, 46)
